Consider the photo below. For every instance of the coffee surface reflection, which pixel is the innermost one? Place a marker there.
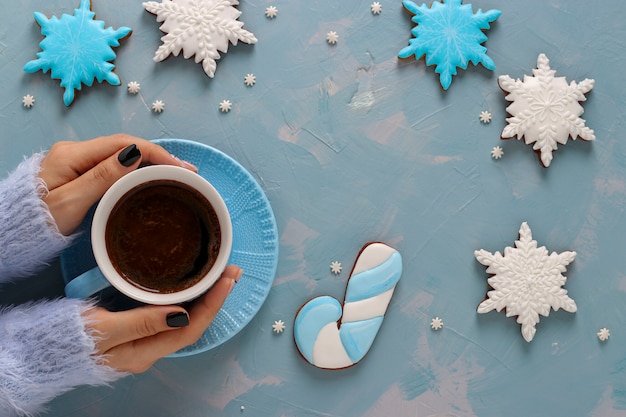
(163, 236)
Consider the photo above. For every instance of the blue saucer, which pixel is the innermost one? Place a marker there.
(255, 241)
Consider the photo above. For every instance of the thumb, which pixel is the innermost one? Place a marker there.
(70, 202)
(118, 328)
(101, 177)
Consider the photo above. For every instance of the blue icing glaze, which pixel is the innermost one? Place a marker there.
(357, 337)
(311, 318)
(76, 49)
(450, 35)
(375, 281)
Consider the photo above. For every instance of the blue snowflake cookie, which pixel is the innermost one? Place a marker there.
(450, 35)
(76, 49)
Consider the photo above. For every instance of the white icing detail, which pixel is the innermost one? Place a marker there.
(271, 12)
(376, 7)
(604, 334)
(545, 109)
(278, 326)
(335, 267)
(377, 254)
(368, 308)
(134, 87)
(526, 281)
(198, 27)
(158, 106)
(332, 37)
(28, 101)
(225, 106)
(436, 323)
(328, 351)
(497, 152)
(485, 117)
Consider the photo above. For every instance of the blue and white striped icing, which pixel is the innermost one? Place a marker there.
(332, 336)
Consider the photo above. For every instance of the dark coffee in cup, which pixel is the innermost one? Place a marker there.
(163, 236)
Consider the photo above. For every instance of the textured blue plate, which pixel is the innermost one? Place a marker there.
(255, 240)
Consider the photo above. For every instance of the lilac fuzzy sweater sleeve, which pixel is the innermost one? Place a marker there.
(46, 348)
(29, 237)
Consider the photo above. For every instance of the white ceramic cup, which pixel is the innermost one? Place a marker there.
(105, 273)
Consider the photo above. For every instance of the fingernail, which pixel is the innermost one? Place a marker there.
(129, 155)
(179, 319)
(184, 164)
(239, 274)
(190, 166)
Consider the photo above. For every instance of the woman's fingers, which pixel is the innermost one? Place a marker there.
(66, 161)
(69, 202)
(114, 329)
(140, 354)
(78, 183)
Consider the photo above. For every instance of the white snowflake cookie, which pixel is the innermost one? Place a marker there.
(526, 281)
(545, 109)
(198, 27)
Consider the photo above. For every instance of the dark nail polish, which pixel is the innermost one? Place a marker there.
(129, 155)
(180, 319)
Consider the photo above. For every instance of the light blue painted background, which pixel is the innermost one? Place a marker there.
(352, 145)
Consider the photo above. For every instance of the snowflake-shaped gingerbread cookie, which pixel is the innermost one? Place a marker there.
(77, 50)
(526, 281)
(450, 35)
(545, 109)
(198, 27)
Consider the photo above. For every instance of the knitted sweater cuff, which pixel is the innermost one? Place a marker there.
(46, 351)
(29, 237)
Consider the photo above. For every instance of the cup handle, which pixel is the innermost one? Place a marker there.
(87, 284)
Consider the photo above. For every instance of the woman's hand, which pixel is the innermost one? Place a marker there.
(133, 340)
(77, 174)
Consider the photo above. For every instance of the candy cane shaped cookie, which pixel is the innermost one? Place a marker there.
(332, 336)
